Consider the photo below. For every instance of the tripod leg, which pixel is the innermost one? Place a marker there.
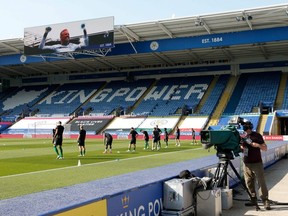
(243, 184)
(220, 175)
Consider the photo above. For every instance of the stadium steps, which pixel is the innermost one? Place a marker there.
(207, 94)
(223, 101)
(143, 96)
(281, 91)
(269, 124)
(262, 123)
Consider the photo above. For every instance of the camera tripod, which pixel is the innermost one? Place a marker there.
(221, 173)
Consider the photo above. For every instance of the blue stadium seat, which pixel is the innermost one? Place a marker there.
(259, 87)
(67, 98)
(170, 94)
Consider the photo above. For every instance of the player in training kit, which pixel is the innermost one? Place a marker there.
(146, 138)
(134, 135)
(81, 141)
(108, 139)
(177, 136)
(156, 139)
(58, 140)
(166, 137)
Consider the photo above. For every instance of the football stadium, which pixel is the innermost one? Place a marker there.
(200, 78)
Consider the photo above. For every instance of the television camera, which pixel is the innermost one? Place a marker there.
(227, 140)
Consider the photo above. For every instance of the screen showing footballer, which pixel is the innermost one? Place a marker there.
(69, 37)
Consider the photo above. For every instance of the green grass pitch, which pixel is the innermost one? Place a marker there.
(30, 165)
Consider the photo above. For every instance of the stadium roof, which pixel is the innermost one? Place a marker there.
(210, 24)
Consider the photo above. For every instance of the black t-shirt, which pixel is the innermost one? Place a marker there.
(156, 134)
(166, 135)
(108, 137)
(59, 131)
(82, 135)
(146, 135)
(254, 154)
(133, 134)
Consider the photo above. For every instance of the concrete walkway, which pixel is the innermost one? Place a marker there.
(277, 182)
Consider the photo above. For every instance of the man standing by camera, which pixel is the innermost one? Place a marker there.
(252, 145)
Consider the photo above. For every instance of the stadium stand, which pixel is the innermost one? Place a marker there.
(21, 103)
(259, 87)
(171, 94)
(215, 95)
(225, 120)
(168, 97)
(236, 95)
(164, 99)
(285, 101)
(67, 98)
(118, 96)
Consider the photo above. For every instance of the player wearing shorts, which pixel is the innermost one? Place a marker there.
(146, 139)
(166, 137)
(81, 141)
(108, 139)
(58, 140)
(156, 139)
(134, 135)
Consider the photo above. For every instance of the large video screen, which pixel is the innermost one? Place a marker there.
(69, 37)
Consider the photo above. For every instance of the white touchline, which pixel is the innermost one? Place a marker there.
(112, 161)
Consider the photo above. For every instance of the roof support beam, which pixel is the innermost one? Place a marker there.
(163, 58)
(13, 71)
(263, 51)
(10, 47)
(228, 54)
(247, 19)
(135, 61)
(104, 61)
(55, 66)
(128, 33)
(201, 22)
(169, 33)
(35, 69)
(82, 65)
(194, 56)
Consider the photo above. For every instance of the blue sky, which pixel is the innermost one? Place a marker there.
(15, 15)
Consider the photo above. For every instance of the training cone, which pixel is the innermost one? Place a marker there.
(79, 163)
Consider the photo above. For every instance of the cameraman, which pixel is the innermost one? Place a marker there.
(252, 145)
